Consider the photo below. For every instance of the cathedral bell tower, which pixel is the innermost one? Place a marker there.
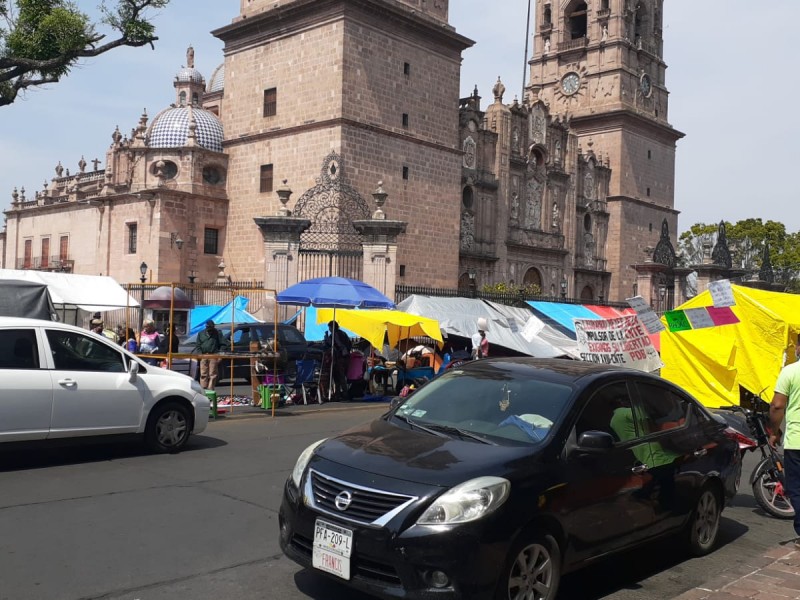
(600, 63)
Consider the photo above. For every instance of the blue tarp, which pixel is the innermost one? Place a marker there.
(560, 315)
(314, 332)
(221, 315)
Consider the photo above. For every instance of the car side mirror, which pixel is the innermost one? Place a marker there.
(595, 441)
(133, 370)
(396, 401)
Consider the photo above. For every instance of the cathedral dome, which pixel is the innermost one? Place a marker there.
(170, 129)
(189, 75)
(217, 82)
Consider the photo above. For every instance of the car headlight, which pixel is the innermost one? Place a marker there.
(469, 501)
(302, 462)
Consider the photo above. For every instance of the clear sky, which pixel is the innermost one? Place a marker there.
(731, 77)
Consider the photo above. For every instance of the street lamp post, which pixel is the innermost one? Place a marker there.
(142, 278)
(472, 285)
(564, 286)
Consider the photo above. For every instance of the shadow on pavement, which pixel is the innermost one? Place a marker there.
(625, 571)
(16, 456)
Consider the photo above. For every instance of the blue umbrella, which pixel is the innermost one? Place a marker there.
(333, 292)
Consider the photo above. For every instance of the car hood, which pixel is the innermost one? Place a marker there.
(383, 448)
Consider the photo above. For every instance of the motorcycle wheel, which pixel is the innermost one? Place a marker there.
(769, 493)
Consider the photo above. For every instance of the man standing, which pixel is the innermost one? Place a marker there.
(208, 342)
(338, 344)
(786, 403)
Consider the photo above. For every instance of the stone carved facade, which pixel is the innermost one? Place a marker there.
(539, 174)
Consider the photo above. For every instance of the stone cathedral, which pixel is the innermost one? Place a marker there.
(332, 141)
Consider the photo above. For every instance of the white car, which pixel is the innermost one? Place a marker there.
(60, 381)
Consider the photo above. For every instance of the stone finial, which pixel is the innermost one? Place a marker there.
(191, 137)
(284, 193)
(59, 169)
(380, 199)
(82, 164)
(14, 196)
(22, 194)
(498, 90)
(116, 136)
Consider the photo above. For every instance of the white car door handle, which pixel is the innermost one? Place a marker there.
(67, 382)
(639, 469)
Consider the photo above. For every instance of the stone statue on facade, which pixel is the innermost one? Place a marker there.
(467, 230)
(498, 90)
(59, 169)
(190, 57)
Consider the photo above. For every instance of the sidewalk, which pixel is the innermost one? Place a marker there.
(773, 576)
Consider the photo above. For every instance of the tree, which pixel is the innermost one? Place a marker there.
(42, 40)
(747, 240)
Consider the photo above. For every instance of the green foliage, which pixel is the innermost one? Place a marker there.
(526, 291)
(746, 242)
(44, 39)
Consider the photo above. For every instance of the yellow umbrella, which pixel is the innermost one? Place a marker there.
(373, 324)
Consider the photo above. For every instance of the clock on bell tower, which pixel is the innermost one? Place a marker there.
(600, 63)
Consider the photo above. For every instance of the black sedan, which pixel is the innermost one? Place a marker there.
(497, 477)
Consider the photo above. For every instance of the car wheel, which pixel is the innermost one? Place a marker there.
(168, 428)
(532, 571)
(703, 526)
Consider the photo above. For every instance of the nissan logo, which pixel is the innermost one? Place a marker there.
(343, 500)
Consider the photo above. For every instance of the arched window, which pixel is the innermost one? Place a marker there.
(576, 20)
(195, 99)
(467, 198)
(548, 15)
(464, 282)
(182, 98)
(532, 278)
(587, 293)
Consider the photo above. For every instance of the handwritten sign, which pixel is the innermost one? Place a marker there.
(722, 293)
(699, 317)
(722, 315)
(620, 341)
(532, 328)
(647, 315)
(677, 320)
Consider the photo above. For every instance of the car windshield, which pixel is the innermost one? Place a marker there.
(498, 404)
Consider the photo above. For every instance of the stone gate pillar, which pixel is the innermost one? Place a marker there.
(281, 235)
(380, 246)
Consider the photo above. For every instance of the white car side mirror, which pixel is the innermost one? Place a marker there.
(133, 370)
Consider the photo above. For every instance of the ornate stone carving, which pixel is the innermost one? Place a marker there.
(467, 230)
(498, 90)
(538, 124)
(533, 205)
(588, 249)
(469, 148)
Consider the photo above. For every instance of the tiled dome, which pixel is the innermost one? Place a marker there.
(217, 82)
(189, 75)
(170, 128)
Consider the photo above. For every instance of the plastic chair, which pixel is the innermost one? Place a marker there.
(306, 381)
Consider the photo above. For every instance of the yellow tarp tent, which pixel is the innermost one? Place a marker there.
(373, 324)
(711, 363)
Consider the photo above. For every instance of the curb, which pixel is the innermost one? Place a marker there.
(283, 412)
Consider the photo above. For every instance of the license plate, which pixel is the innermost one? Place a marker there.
(332, 548)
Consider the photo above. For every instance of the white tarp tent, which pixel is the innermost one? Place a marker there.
(92, 293)
(459, 316)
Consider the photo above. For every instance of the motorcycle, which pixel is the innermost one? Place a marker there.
(750, 428)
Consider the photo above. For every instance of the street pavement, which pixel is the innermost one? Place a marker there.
(114, 523)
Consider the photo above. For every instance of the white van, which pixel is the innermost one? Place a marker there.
(60, 381)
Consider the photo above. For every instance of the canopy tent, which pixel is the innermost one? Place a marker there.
(459, 316)
(92, 293)
(712, 362)
(372, 325)
(546, 333)
(315, 332)
(234, 311)
(25, 299)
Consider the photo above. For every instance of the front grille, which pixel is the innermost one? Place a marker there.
(368, 506)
